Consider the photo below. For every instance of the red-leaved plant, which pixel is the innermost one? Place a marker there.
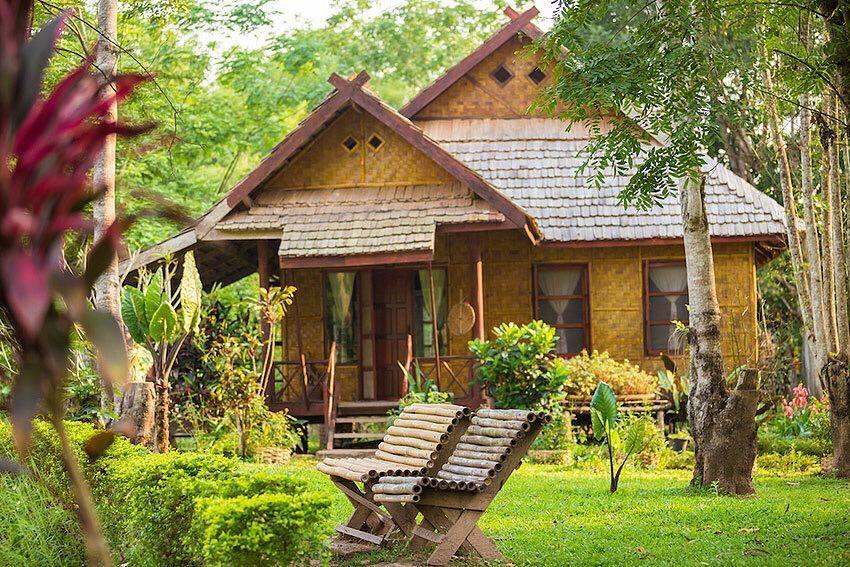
(47, 147)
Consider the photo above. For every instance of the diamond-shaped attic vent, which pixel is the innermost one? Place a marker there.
(349, 143)
(376, 142)
(502, 75)
(537, 76)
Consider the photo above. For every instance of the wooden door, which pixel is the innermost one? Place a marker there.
(393, 300)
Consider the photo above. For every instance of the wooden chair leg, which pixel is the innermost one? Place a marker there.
(455, 537)
(367, 522)
(403, 515)
(446, 518)
(420, 540)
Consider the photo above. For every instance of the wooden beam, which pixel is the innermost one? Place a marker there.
(475, 227)
(356, 261)
(765, 238)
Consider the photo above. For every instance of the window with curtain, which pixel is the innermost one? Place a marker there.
(562, 302)
(666, 302)
(341, 315)
(423, 332)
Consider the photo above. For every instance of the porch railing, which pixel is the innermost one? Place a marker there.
(457, 373)
(304, 383)
(301, 381)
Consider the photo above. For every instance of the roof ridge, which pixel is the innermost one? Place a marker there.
(517, 23)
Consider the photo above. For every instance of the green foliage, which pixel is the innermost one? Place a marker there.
(585, 370)
(603, 411)
(668, 459)
(420, 390)
(162, 496)
(557, 434)
(263, 529)
(677, 386)
(34, 528)
(788, 463)
(242, 364)
(771, 442)
(150, 310)
(519, 368)
(148, 502)
(631, 436)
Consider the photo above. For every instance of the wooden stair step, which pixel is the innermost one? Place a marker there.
(358, 435)
(363, 419)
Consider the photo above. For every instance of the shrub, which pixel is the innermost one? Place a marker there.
(770, 442)
(670, 459)
(793, 462)
(558, 434)
(585, 371)
(44, 454)
(653, 439)
(153, 502)
(149, 503)
(519, 368)
(264, 529)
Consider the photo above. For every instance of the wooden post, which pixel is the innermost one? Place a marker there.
(478, 303)
(434, 323)
(304, 380)
(408, 362)
(265, 329)
(478, 289)
(330, 397)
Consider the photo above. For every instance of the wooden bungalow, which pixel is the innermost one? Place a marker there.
(458, 212)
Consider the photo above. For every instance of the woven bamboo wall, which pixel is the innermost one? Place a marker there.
(326, 163)
(616, 295)
(478, 95)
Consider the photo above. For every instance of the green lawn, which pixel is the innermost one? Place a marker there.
(552, 515)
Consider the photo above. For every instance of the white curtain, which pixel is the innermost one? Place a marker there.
(672, 278)
(558, 282)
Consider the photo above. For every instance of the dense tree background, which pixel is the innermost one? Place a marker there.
(221, 109)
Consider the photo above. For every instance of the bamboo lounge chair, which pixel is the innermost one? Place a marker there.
(452, 500)
(416, 444)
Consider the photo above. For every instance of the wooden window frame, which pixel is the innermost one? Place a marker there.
(584, 297)
(647, 322)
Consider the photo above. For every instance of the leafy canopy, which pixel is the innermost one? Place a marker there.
(662, 72)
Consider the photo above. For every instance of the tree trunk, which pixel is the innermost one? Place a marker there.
(162, 414)
(722, 423)
(839, 281)
(107, 287)
(837, 380)
(137, 412)
(817, 333)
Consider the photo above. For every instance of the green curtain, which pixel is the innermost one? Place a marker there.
(341, 308)
(440, 299)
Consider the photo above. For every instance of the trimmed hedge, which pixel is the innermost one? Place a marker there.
(187, 508)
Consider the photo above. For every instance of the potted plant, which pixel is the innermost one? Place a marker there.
(679, 441)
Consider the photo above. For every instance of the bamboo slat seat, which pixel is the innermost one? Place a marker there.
(453, 498)
(414, 446)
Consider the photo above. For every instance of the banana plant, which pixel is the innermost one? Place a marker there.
(678, 386)
(160, 319)
(603, 416)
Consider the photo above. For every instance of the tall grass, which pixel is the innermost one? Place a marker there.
(34, 528)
